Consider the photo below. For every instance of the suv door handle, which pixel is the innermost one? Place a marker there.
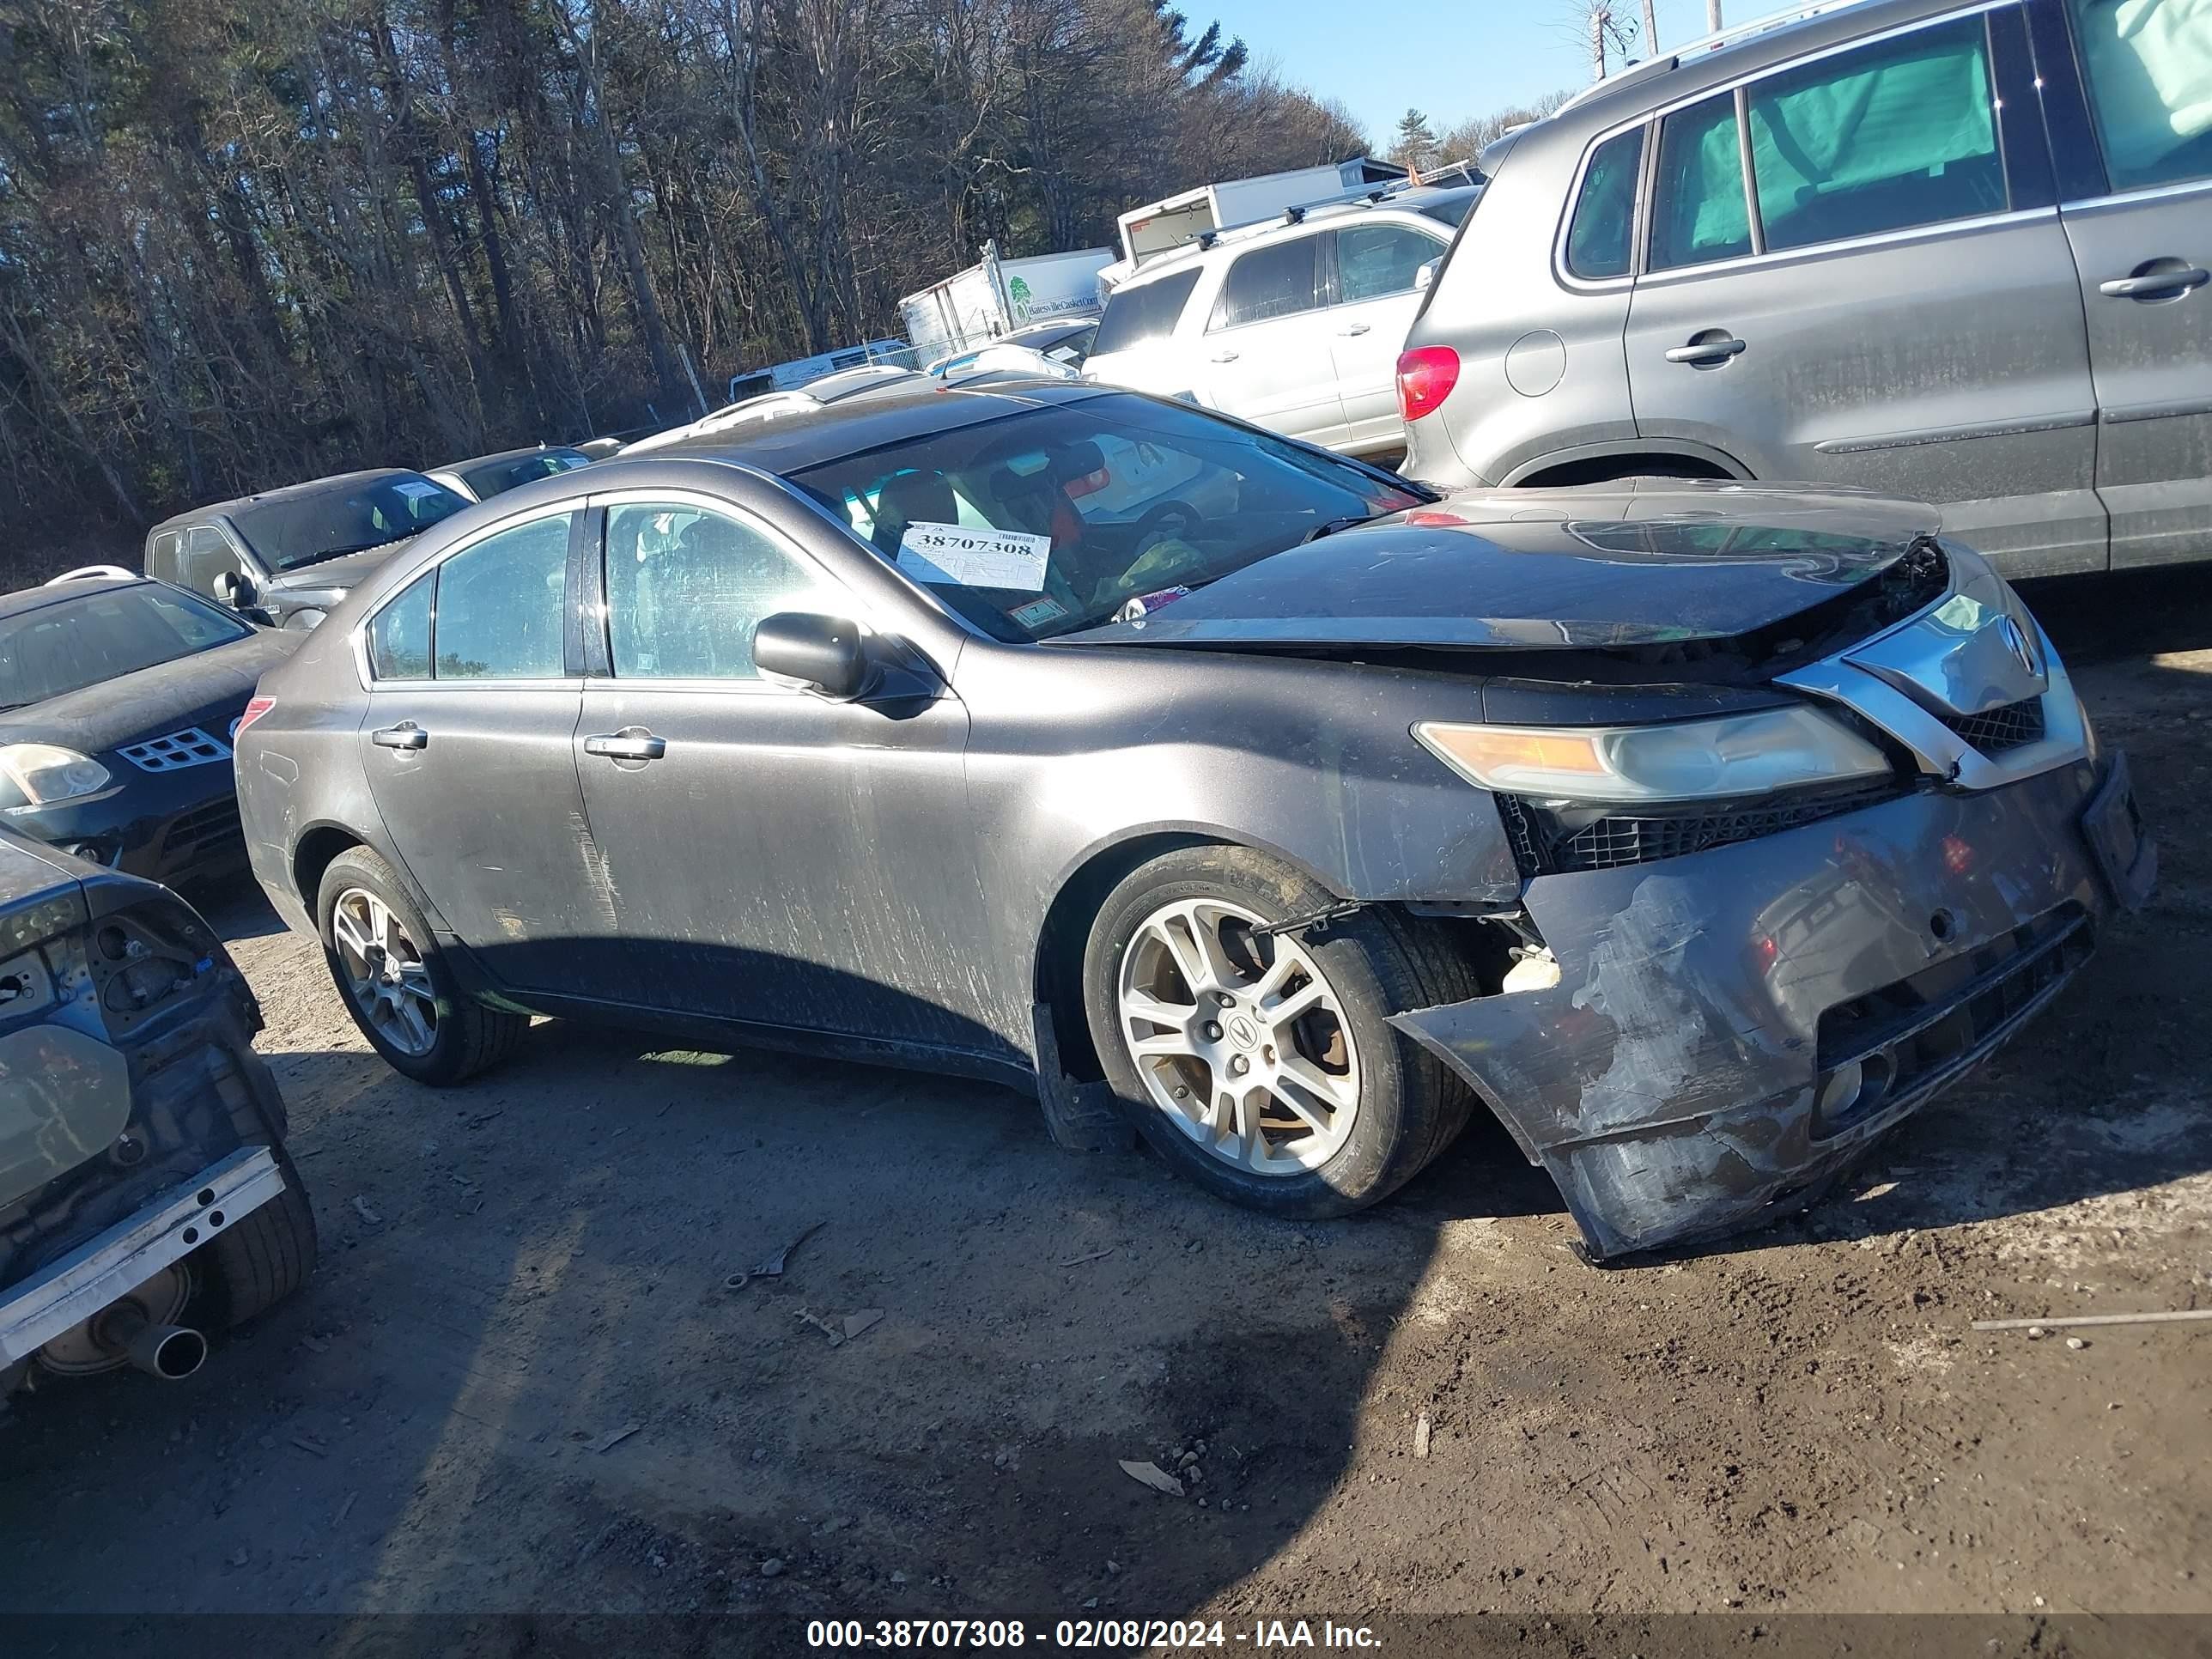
(2170, 284)
(1223, 357)
(631, 745)
(1357, 328)
(406, 735)
(1706, 351)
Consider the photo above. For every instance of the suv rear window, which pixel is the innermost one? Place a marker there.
(1135, 316)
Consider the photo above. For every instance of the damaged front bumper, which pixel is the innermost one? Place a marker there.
(1732, 1029)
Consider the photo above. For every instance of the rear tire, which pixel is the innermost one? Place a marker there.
(416, 1016)
(259, 1260)
(1322, 1114)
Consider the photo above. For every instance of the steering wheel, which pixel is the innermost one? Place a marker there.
(1169, 521)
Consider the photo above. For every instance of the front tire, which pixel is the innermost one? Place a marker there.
(1263, 1065)
(396, 982)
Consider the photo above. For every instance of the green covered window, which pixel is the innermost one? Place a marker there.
(1699, 213)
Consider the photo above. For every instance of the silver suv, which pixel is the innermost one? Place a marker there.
(1956, 253)
(1293, 324)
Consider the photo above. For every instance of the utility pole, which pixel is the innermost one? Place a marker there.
(1713, 15)
(1599, 19)
(1651, 27)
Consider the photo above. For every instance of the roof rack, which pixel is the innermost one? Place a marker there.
(1713, 42)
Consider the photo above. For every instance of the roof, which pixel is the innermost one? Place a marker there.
(894, 413)
(515, 455)
(27, 600)
(310, 487)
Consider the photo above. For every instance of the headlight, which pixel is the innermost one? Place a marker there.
(40, 774)
(1738, 755)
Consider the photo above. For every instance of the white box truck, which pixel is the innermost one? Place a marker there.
(997, 296)
(1172, 220)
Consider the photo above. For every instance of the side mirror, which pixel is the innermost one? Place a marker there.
(824, 654)
(1426, 277)
(235, 589)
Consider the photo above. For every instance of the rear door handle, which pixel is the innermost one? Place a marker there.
(1706, 351)
(2172, 282)
(406, 735)
(1357, 328)
(627, 745)
(1223, 357)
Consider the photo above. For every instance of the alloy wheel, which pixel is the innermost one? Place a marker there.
(1239, 1037)
(385, 974)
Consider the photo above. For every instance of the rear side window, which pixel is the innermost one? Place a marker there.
(2148, 63)
(502, 603)
(164, 556)
(1894, 135)
(1376, 261)
(399, 637)
(1600, 234)
(1699, 212)
(1137, 316)
(1279, 281)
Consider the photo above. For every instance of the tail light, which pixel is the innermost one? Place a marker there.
(1426, 375)
(254, 710)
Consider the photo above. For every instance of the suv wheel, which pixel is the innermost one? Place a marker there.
(1262, 1065)
(396, 986)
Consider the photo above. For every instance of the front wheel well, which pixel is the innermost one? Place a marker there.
(1605, 469)
(313, 856)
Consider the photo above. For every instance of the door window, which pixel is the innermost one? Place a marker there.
(1699, 213)
(686, 588)
(1599, 236)
(207, 555)
(399, 635)
(2148, 63)
(165, 558)
(1376, 261)
(1280, 280)
(1894, 135)
(501, 605)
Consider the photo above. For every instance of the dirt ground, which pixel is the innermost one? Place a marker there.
(517, 1383)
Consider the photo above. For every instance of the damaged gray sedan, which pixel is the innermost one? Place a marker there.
(1199, 780)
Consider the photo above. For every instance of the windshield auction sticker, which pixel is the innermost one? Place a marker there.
(953, 556)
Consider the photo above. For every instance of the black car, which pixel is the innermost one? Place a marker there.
(145, 1196)
(1211, 784)
(285, 557)
(119, 697)
(486, 475)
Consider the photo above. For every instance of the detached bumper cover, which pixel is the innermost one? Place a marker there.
(1671, 1082)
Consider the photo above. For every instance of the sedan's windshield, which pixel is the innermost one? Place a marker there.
(1057, 519)
(64, 647)
(290, 531)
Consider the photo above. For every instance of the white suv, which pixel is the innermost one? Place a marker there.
(1294, 324)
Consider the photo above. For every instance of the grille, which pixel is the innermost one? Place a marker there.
(206, 830)
(1543, 845)
(1995, 730)
(190, 747)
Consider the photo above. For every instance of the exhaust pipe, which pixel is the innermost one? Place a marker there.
(171, 1353)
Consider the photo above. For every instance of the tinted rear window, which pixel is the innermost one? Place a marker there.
(1135, 316)
(491, 478)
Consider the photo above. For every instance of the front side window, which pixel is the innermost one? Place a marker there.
(207, 555)
(1698, 214)
(1050, 520)
(1374, 262)
(1897, 134)
(1278, 281)
(686, 588)
(501, 605)
(2148, 63)
(1599, 234)
(1138, 316)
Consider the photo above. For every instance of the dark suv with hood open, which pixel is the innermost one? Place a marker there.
(1202, 780)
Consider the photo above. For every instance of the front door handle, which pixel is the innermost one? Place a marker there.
(630, 746)
(406, 735)
(1357, 328)
(1706, 353)
(2169, 283)
(1223, 357)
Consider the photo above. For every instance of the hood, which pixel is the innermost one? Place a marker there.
(339, 576)
(1642, 562)
(209, 689)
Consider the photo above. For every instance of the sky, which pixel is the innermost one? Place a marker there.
(1451, 61)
